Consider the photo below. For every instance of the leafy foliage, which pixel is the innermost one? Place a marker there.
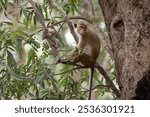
(20, 30)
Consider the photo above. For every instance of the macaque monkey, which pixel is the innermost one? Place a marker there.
(49, 34)
(88, 47)
(87, 50)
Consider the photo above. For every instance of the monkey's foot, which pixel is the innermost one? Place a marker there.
(64, 61)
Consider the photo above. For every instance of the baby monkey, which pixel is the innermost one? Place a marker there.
(88, 47)
(49, 35)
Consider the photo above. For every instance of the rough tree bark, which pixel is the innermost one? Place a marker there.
(128, 25)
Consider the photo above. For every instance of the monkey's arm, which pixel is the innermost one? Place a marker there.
(81, 46)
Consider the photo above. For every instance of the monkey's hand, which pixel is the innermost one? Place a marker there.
(68, 62)
(72, 57)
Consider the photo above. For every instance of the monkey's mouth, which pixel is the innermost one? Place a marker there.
(82, 33)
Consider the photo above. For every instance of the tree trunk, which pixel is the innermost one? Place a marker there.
(128, 25)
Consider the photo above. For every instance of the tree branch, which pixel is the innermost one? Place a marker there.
(108, 79)
(97, 86)
(101, 71)
(103, 38)
(40, 16)
(66, 18)
(51, 41)
(71, 18)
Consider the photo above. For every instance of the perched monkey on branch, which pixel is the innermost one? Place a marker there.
(87, 50)
(88, 47)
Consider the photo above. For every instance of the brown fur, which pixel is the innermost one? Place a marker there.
(89, 41)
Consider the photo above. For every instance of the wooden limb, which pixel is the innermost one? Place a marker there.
(40, 15)
(91, 82)
(102, 72)
(108, 79)
(93, 16)
(54, 45)
(66, 18)
(71, 18)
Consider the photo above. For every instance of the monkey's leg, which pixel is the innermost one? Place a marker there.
(90, 82)
(85, 59)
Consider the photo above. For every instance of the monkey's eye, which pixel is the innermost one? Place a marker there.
(81, 26)
(75, 25)
(84, 27)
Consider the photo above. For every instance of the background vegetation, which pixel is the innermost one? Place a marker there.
(28, 68)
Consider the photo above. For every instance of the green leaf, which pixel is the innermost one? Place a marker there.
(19, 48)
(46, 12)
(35, 20)
(11, 61)
(15, 75)
(53, 82)
(9, 23)
(25, 12)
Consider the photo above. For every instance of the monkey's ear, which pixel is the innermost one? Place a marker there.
(75, 25)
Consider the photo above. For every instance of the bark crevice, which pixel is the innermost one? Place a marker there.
(142, 91)
(117, 24)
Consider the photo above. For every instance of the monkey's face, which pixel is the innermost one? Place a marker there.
(81, 29)
(50, 32)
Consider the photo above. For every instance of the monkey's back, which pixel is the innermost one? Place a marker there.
(94, 43)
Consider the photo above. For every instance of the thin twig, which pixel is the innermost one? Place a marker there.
(76, 68)
(92, 9)
(71, 18)
(96, 87)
